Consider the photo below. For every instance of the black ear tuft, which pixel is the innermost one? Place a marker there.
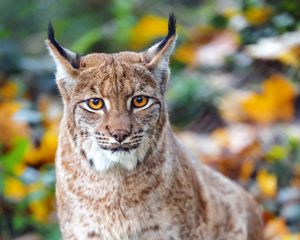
(74, 60)
(50, 32)
(51, 38)
(171, 31)
(172, 25)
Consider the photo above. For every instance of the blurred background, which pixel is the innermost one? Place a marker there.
(233, 97)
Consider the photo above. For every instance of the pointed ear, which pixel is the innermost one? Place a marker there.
(159, 54)
(67, 63)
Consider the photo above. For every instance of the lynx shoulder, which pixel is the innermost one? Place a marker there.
(121, 174)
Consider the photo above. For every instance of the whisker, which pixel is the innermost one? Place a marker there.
(134, 142)
(100, 138)
(136, 136)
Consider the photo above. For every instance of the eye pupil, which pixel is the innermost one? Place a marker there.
(95, 101)
(139, 99)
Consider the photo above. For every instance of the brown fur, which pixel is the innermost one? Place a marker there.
(166, 195)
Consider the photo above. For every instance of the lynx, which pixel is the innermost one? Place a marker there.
(120, 171)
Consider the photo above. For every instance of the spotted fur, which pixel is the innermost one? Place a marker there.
(145, 187)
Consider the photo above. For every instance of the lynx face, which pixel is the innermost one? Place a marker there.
(116, 111)
(114, 103)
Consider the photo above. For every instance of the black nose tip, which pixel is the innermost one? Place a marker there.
(120, 135)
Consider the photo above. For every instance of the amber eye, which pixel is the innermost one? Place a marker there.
(95, 103)
(139, 101)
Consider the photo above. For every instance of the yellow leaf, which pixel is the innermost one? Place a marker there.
(246, 170)
(9, 128)
(19, 169)
(45, 152)
(14, 188)
(277, 152)
(49, 144)
(267, 183)
(148, 29)
(32, 155)
(291, 237)
(291, 57)
(278, 93)
(258, 15)
(276, 228)
(41, 209)
(8, 91)
(186, 54)
(258, 109)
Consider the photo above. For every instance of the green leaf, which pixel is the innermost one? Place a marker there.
(19, 222)
(277, 152)
(219, 21)
(54, 233)
(15, 156)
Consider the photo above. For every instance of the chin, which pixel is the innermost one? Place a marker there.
(105, 159)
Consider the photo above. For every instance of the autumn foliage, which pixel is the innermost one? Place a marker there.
(233, 99)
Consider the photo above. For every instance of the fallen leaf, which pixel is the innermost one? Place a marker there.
(291, 237)
(208, 47)
(10, 129)
(148, 29)
(14, 188)
(8, 91)
(186, 53)
(267, 183)
(45, 152)
(41, 209)
(291, 56)
(236, 150)
(277, 93)
(284, 48)
(258, 15)
(276, 228)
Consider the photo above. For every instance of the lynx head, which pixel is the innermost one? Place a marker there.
(114, 104)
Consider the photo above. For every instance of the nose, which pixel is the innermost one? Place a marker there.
(120, 134)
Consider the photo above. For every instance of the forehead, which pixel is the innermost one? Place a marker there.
(110, 74)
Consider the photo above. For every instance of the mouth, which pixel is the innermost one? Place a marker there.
(120, 148)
